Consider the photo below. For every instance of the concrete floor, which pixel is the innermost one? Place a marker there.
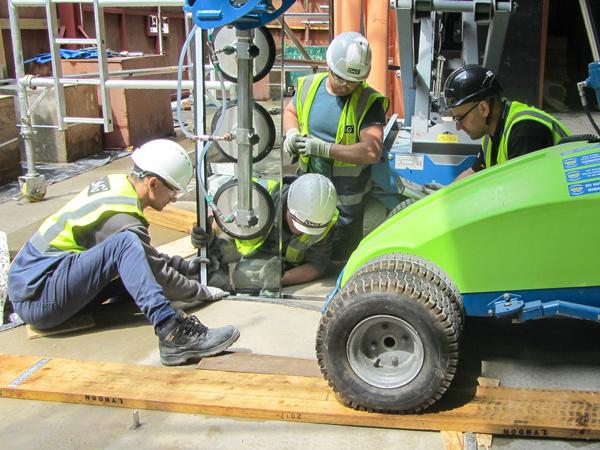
(552, 354)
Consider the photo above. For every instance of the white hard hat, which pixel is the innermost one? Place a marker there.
(166, 159)
(311, 203)
(349, 56)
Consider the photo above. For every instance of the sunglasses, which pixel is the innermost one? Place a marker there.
(459, 119)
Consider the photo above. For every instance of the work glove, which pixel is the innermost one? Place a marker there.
(214, 293)
(292, 139)
(200, 237)
(313, 146)
(195, 264)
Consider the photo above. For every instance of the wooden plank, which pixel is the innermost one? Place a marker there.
(182, 247)
(513, 412)
(25, 24)
(453, 440)
(172, 218)
(73, 324)
(268, 364)
(484, 440)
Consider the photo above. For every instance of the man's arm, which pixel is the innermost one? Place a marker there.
(290, 116)
(478, 165)
(301, 274)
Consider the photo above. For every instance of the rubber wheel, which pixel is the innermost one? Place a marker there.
(415, 265)
(389, 342)
(399, 207)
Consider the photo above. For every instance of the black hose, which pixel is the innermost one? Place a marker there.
(592, 121)
(579, 138)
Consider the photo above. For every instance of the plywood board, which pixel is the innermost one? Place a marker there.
(75, 323)
(254, 363)
(514, 412)
(172, 218)
(182, 247)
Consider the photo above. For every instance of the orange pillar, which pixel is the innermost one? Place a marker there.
(346, 16)
(395, 83)
(377, 33)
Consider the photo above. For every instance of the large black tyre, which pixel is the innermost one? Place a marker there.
(389, 342)
(399, 207)
(416, 265)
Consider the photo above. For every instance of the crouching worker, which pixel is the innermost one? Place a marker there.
(308, 206)
(98, 245)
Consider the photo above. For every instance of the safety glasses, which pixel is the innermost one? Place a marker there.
(459, 119)
(341, 81)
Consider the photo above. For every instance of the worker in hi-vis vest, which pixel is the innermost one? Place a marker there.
(98, 247)
(309, 214)
(472, 95)
(334, 125)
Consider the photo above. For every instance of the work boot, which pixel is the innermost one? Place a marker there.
(184, 337)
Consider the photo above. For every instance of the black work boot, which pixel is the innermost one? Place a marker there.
(185, 337)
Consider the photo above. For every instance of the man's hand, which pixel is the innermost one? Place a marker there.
(215, 293)
(292, 139)
(313, 146)
(194, 266)
(200, 237)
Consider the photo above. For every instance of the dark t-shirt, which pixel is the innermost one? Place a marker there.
(525, 137)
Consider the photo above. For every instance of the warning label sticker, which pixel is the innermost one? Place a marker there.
(408, 161)
(580, 161)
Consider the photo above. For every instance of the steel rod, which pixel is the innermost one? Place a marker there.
(25, 120)
(590, 29)
(107, 3)
(75, 41)
(116, 84)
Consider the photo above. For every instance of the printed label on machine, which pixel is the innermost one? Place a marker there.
(583, 174)
(406, 161)
(592, 187)
(580, 161)
(447, 137)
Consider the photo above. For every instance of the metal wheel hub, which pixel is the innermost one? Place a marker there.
(385, 351)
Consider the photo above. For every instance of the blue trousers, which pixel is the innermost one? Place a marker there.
(81, 277)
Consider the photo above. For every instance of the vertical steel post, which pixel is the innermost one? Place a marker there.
(197, 72)
(244, 132)
(33, 185)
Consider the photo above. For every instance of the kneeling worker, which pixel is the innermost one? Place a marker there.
(309, 213)
(509, 128)
(98, 245)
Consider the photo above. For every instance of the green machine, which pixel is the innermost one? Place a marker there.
(518, 240)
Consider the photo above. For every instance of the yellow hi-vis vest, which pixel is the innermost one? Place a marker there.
(516, 113)
(111, 194)
(348, 130)
(298, 244)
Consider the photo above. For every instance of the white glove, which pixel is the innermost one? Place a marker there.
(214, 293)
(290, 144)
(313, 146)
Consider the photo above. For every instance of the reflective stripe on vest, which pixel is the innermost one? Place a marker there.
(298, 243)
(113, 193)
(348, 130)
(517, 113)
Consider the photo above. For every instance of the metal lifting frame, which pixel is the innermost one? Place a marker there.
(416, 79)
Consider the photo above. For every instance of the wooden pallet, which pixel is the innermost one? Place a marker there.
(493, 410)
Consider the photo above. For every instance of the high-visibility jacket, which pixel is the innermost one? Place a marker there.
(298, 244)
(345, 176)
(109, 195)
(518, 112)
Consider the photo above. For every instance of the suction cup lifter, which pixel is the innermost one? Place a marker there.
(244, 15)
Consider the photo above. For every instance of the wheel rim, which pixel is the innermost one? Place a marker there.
(385, 351)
